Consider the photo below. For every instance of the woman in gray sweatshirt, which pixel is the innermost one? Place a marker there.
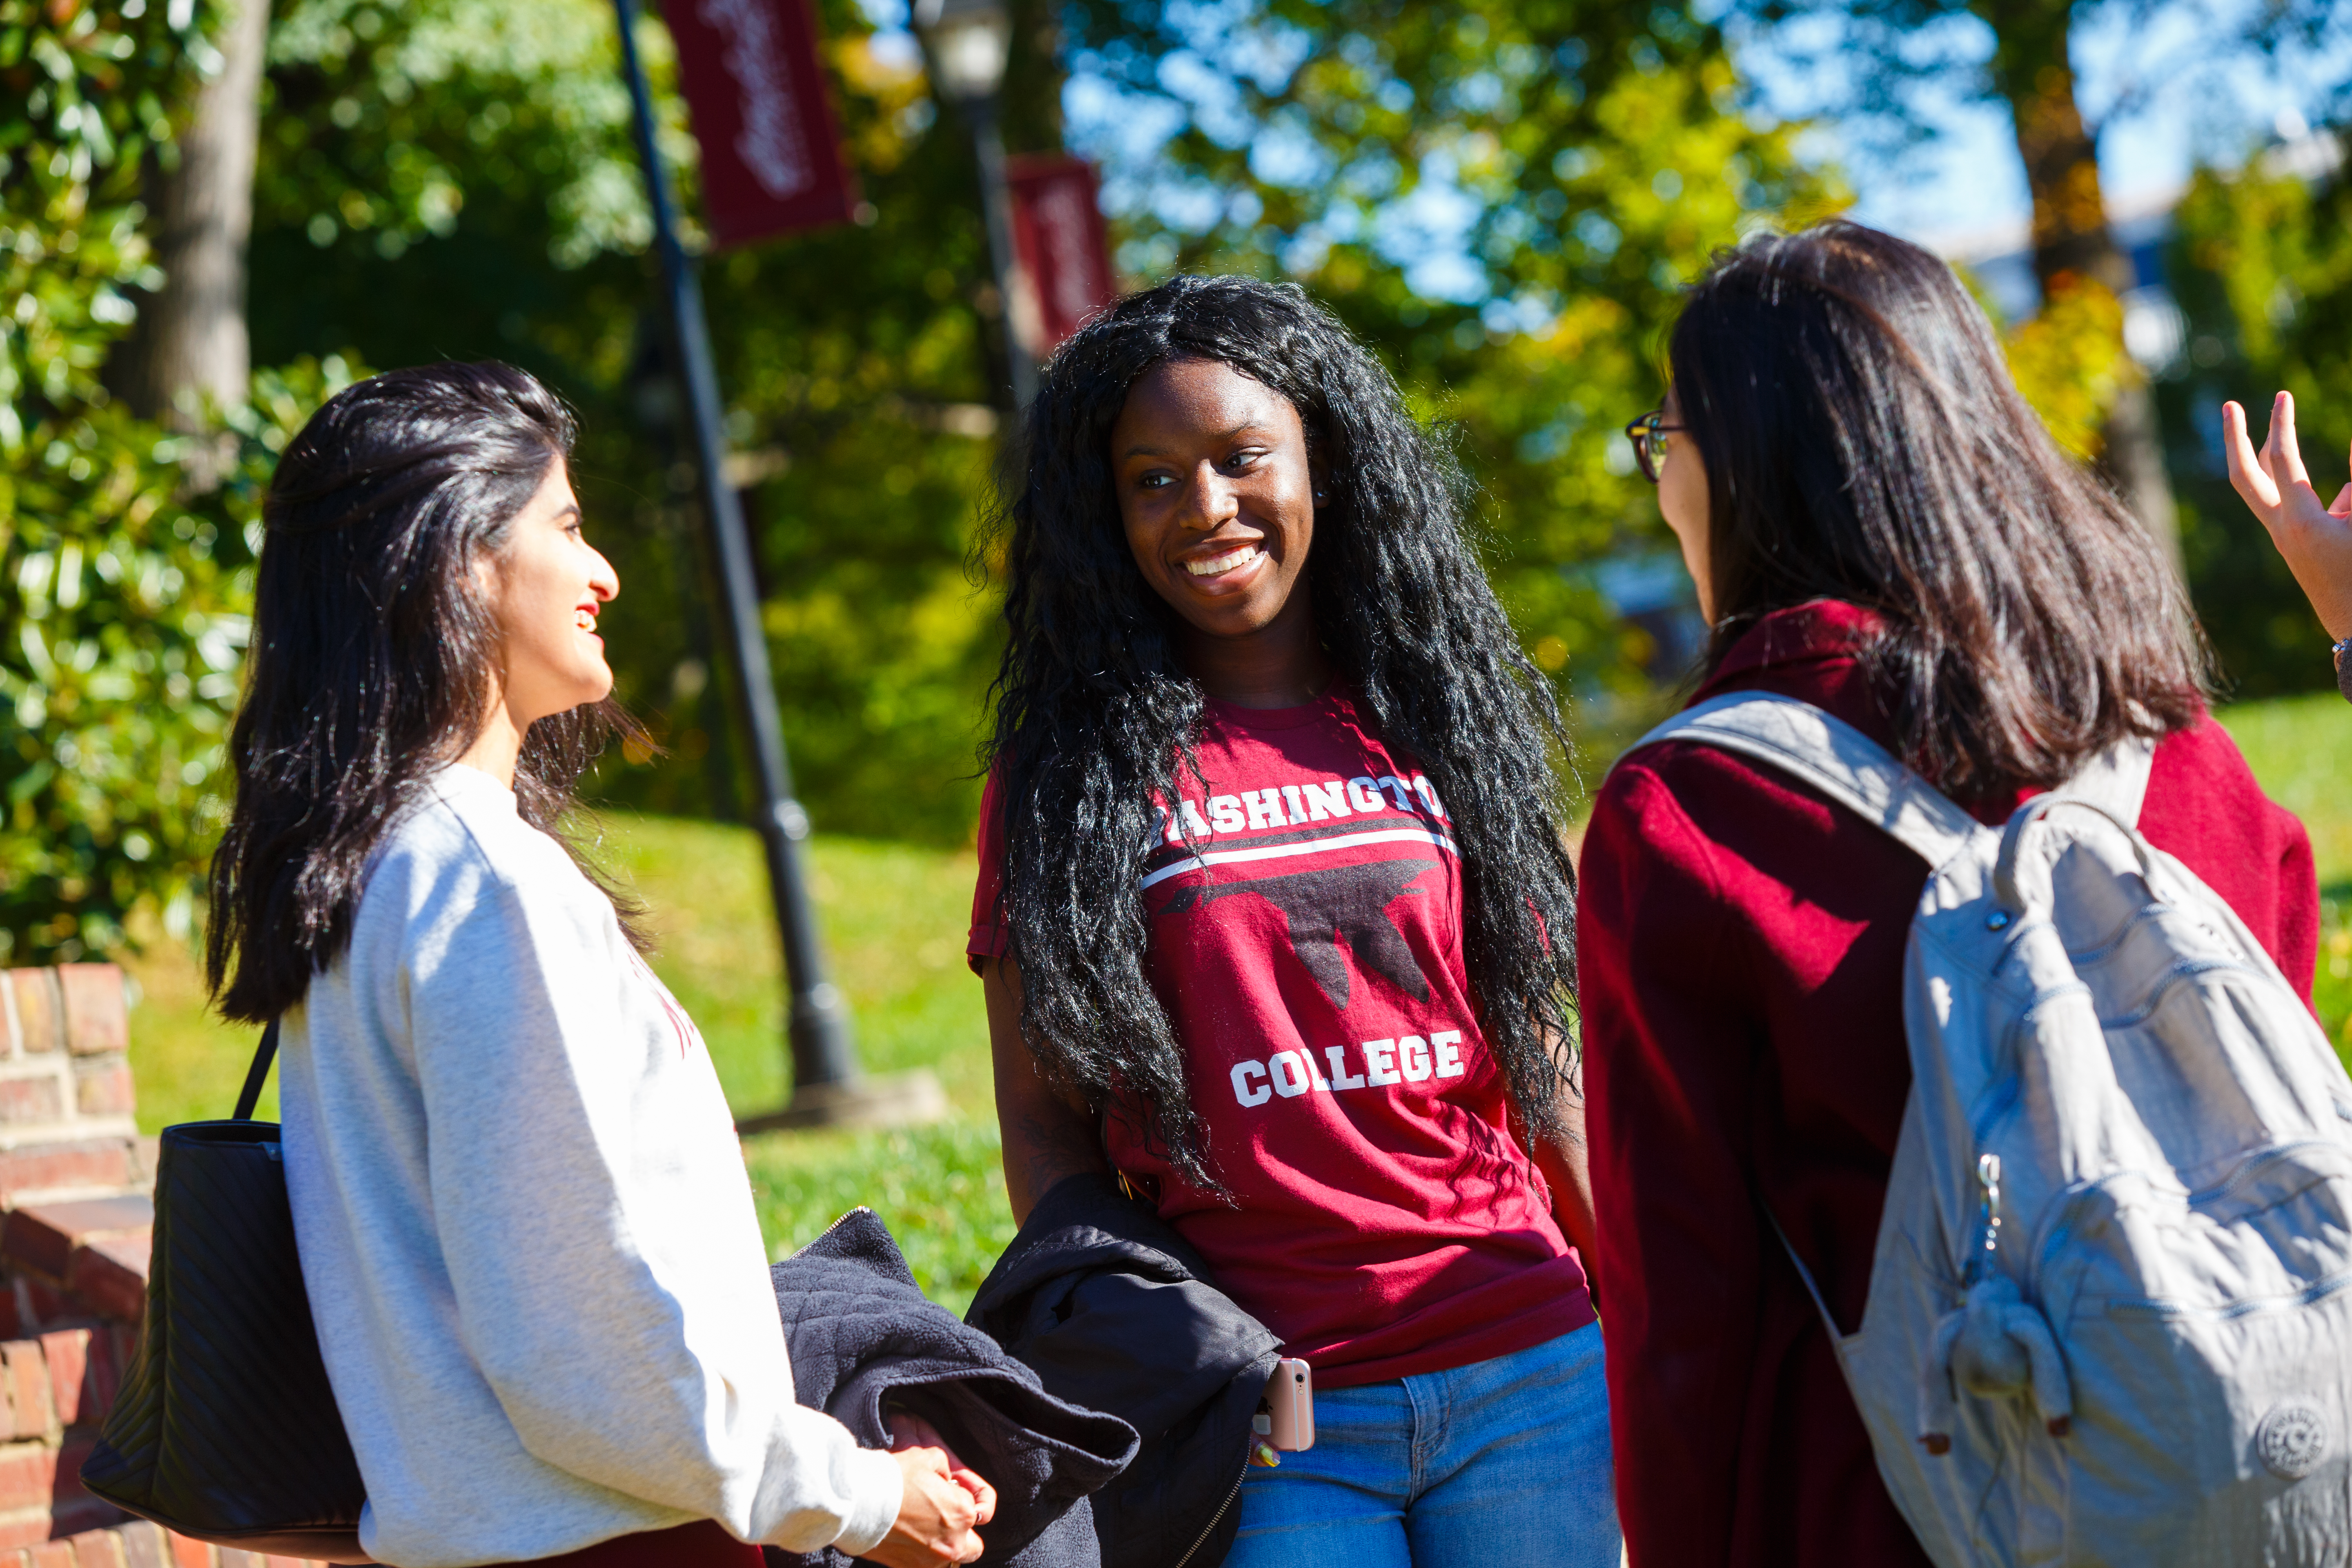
(524, 1222)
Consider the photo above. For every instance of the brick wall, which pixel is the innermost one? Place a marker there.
(56, 1389)
(75, 1215)
(66, 1127)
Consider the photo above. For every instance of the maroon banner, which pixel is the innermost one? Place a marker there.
(1057, 230)
(756, 93)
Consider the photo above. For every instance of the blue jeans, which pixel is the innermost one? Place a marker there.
(1495, 1464)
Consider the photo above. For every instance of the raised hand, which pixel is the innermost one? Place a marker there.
(2316, 541)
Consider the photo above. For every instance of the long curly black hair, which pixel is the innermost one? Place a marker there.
(1095, 711)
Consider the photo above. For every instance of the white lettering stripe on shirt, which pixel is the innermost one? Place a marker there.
(1314, 847)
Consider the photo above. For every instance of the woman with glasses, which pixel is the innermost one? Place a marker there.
(1876, 523)
(1275, 918)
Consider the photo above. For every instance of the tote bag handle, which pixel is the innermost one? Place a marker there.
(258, 1074)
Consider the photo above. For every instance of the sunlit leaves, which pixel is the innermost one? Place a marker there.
(123, 589)
(83, 96)
(381, 117)
(123, 622)
(2070, 363)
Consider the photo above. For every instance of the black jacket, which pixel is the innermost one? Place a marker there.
(1114, 1311)
(861, 1333)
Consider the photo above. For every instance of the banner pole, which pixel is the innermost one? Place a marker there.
(826, 1084)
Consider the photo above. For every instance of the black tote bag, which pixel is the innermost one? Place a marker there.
(226, 1429)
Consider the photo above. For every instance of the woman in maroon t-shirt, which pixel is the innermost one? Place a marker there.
(1877, 523)
(1274, 916)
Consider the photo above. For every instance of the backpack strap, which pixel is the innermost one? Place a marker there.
(1834, 757)
(2115, 780)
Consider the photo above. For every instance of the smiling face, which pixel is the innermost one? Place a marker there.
(547, 584)
(1217, 496)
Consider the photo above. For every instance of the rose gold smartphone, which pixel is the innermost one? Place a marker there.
(1290, 1399)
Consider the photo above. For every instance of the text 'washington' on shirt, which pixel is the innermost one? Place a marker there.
(1305, 900)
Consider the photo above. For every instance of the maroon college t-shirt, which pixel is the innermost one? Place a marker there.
(1307, 945)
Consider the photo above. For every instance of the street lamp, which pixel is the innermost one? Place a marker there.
(827, 1088)
(967, 42)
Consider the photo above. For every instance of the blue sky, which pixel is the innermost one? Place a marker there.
(2149, 73)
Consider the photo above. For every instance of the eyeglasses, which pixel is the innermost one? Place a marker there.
(1648, 434)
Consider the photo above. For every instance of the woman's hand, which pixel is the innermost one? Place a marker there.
(909, 1430)
(936, 1516)
(2315, 539)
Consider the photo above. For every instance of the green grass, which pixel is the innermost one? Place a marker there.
(2301, 748)
(895, 917)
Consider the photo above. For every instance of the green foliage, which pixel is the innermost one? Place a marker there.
(122, 596)
(2070, 364)
(403, 209)
(85, 93)
(452, 179)
(2263, 274)
(859, 363)
(1603, 162)
(384, 118)
(121, 641)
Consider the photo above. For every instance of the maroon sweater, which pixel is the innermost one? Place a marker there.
(1740, 944)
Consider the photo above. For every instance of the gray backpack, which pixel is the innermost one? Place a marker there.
(2108, 1319)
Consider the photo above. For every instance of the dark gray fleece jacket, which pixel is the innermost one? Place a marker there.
(864, 1338)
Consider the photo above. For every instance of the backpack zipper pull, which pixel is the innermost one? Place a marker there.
(1988, 1218)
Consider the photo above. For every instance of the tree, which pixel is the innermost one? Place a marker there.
(455, 178)
(124, 618)
(1878, 55)
(190, 344)
(452, 177)
(2032, 70)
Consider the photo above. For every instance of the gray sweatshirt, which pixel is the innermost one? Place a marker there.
(526, 1228)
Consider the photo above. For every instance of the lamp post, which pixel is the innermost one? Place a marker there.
(967, 42)
(827, 1088)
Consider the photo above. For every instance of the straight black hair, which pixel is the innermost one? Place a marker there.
(1864, 440)
(1095, 711)
(374, 659)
